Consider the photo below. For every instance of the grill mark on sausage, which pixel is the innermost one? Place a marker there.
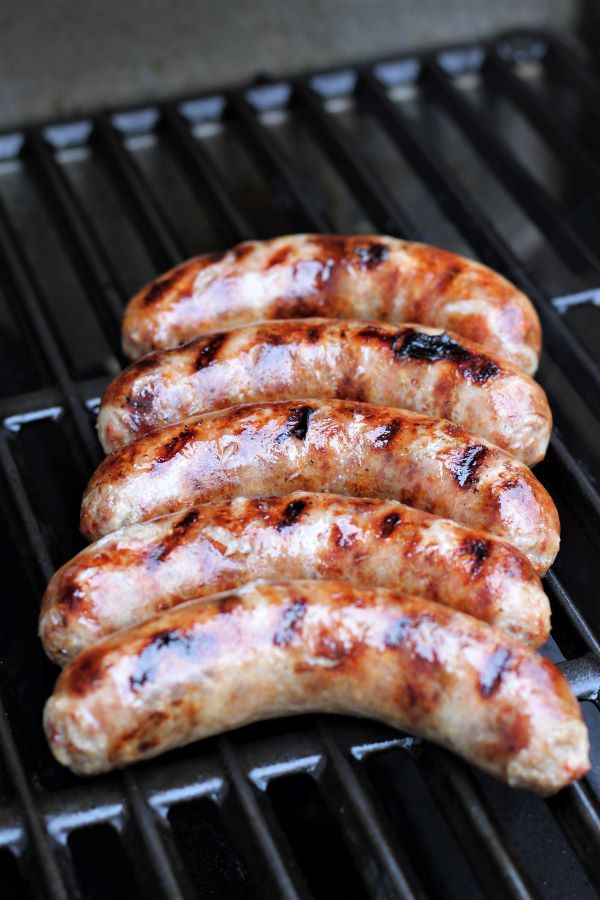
(410, 344)
(178, 531)
(297, 423)
(490, 677)
(389, 523)
(478, 550)
(209, 351)
(386, 434)
(86, 673)
(371, 255)
(185, 645)
(71, 597)
(279, 256)
(292, 618)
(464, 466)
(172, 447)
(158, 289)
(291, 514)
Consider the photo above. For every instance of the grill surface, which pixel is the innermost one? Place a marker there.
(488, 150)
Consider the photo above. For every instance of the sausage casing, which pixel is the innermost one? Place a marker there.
(271, 650)
(356, 277)
(132, 574)
(409, 366)
(335, 446)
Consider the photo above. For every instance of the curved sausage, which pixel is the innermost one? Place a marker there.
(358, 277)
(130, 575)
(271, 650)
(339, 447)
(408, 366)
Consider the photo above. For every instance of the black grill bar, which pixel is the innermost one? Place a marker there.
(45, 859)
(165, 250)
(284, 179)
(89, 259)
(204, 178)
(559, 59)
(522, 187)
(26, 289)
(499, 69)
(364, 823)
(282, 872)
(363, 182)
(480, 834)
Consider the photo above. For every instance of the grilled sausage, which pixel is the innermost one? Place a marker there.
(271, 650)
(369, 277)
(408, 366)
(339, 447)
(130, 575)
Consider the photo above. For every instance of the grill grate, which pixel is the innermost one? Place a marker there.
(464, 147)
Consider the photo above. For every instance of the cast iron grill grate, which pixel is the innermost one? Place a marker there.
(488, 150)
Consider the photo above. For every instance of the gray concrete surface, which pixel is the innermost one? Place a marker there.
(62, 56)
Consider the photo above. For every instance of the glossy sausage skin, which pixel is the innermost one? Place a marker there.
(276, 649)
(409, 366)
(335, 446)
(130, 575)
(358, 277)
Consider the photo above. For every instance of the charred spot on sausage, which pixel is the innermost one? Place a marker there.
(371, 255)
(209, 351)
(178, 530)
(386, 434)
(291, 514)
(297, 423)
(71, 597)
(406, 343)
(389, 523)
(173, 446)
(490, 677)
(292, 618)
(158, 289)
(183, 644)
(464, 466)
(478, 551)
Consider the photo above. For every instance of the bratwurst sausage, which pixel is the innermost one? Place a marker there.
(272, 650)
(357, 277)
(335, 446)
(130, 575)
(408, 366)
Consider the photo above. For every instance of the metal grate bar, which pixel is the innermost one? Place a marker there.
(285, 878)
(160, 241)
(560, 60)
(576, 810)
(204, 178)
(577, 622)
(346, 790)
(475, 826)
(498, 67)
(523, 188)
(276, 167)
(372, 194)
(27, 290)
(38, 839)
(89, 259)
(474, 225)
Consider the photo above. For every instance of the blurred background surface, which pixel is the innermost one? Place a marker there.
(59, 57)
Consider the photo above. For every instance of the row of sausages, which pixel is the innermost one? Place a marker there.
(331, 447)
